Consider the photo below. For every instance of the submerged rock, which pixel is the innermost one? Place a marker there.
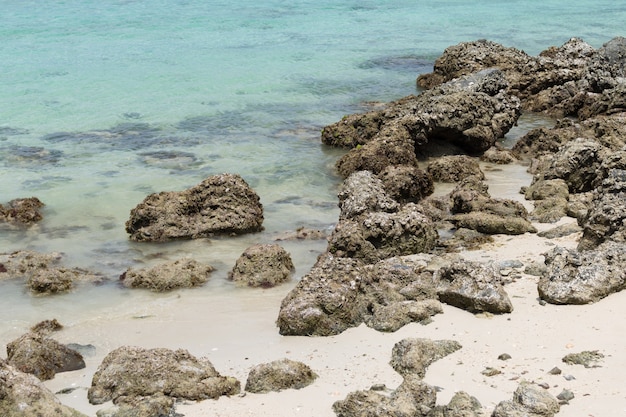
(262, 265)
(24, 395)
(279, 375)
(37, 354)
(221, 204)
(181, 273)
(136, 372)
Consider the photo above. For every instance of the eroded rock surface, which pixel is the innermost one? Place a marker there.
(262, 265)
(279, 375)
(181, 273)
(220, 205)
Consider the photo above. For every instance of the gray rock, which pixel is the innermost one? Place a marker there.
(454, 168)
(24, 395)
(474, 287)
(583, 277)
(406, 184)
(363, 192)
(279, 375)
(37, 354)
(414, 356)
(528, 401)
(136, 372)
(262, 265)
(181, 273)
(561, 231)
(220, 205)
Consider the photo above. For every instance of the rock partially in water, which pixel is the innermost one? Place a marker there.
(132, 372)
(24, 395)
(574, 277)
(42, 272)
(221, 204)
(279, 375)
(181, 273)
(528, 400)
(262, 265)
(37, 354)
(22, 211)
(473, 286)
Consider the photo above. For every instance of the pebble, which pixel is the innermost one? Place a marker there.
(504, 357)
(555, 371)
(565, 395)
(491, 372)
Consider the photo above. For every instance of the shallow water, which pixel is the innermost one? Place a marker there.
(102, 104)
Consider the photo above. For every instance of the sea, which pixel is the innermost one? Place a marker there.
(105, 102)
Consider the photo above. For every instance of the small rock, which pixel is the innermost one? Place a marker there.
(544, 385)
(378, 387)
(555, 371)
(565, 395)
(504, 357)
(279, 375)
(587, 358)
(491, 372)
(569, 377)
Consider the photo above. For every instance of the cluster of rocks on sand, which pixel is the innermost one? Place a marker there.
(387, 262)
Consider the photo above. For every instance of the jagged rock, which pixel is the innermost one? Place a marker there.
(549, 210)
(262, 265)
(221, 204)
(587, 358)
(473, 286)
(543, 189)
(412, 398)
(279, 375)
(362, 192)
(461, 405)
(413, 356)
(498, 155)
(37, 354)
(136, 372)
(23, 211)
(606, 217)
(574, 277)
(379, 235)
(528, 401)
(181, 273)
(42, 272)
(46, 327)
(339, 293)
(469, 113)
(23, 395)
(454, 168)
(406, 184)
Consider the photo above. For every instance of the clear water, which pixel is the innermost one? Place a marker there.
(102, 103)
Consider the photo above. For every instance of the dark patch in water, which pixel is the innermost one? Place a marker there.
(132, 115)
(12, 131)
(32, 154)
(109, 174)
(176, 160)
(402, 63)
(45, 182)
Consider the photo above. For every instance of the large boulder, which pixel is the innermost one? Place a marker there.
(470, 114)
(339, 293)
(473, 286)
(24, 395)
(138, 372)
(220, 205)
(574, 277)
(37, 354)
(43, 272)
(181, 273)
(262, 265)
(528, 401)
(279, 375)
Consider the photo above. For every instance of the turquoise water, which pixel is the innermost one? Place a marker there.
(102, 103)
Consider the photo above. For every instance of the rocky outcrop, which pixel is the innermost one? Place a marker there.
(21, 211)
(529, 401)
(23, 395)
(181, 273)
(220, 205)
(454, 168)
(43, 272)
(473, 286)
(262, 265)
(37, 354)
(606, 218)
(468, 114)
(279, 375)
(339, 293)
(406, 184)
(133, 372)
(414, 397)
(563, 81)
(584, 277)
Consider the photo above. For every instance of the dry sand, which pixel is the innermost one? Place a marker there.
(237, 333)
